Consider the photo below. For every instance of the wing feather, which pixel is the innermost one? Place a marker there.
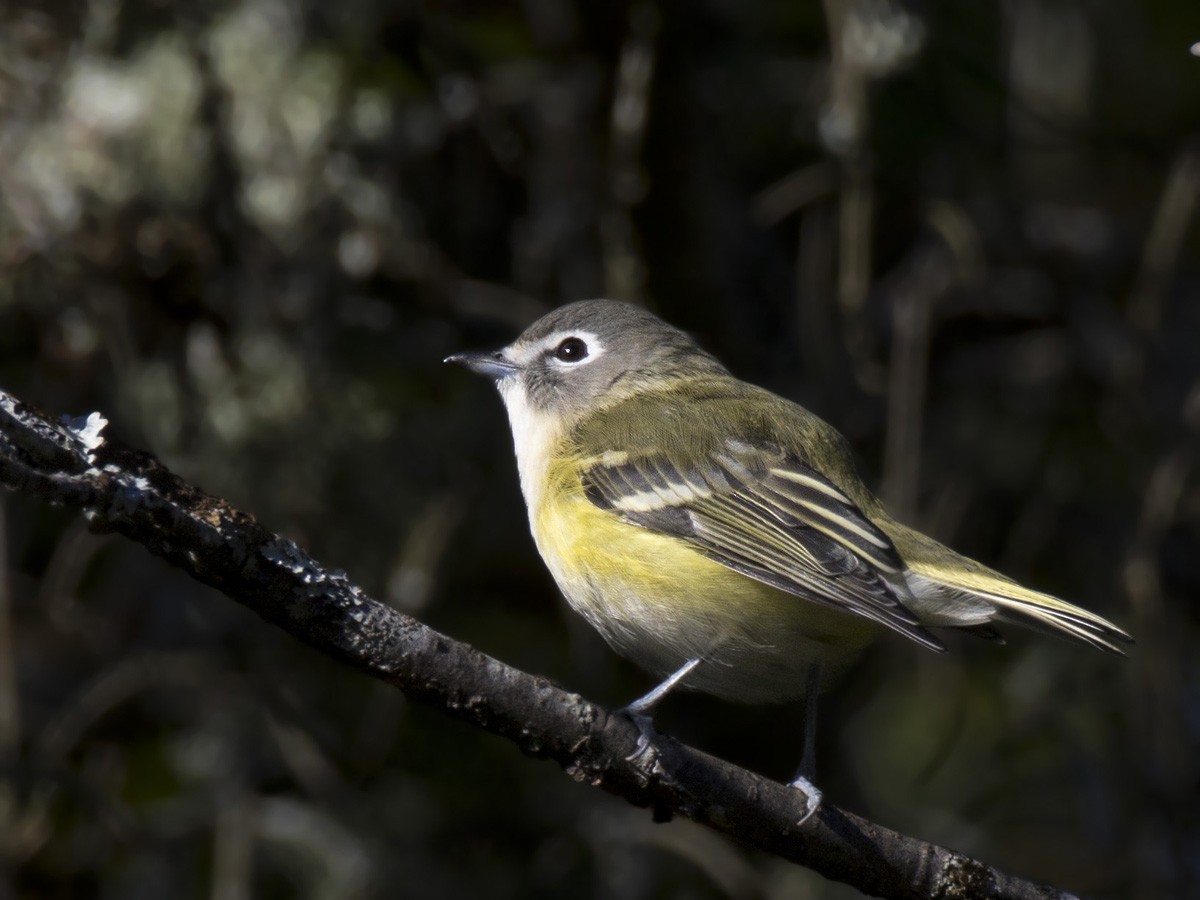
(764, 513)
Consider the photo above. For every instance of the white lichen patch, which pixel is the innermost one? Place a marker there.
(87, 429)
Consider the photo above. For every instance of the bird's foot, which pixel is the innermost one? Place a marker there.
(812, 797)
(644, 751)
(640, 711)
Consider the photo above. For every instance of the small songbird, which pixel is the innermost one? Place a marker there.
(715, 533)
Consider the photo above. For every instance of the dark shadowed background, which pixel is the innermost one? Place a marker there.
(247, 232)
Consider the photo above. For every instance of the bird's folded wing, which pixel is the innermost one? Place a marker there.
(766, 514)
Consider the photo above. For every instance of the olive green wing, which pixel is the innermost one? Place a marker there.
(766, 513)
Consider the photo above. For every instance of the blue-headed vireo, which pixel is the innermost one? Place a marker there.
(716, 533)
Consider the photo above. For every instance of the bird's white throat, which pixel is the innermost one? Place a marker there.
(534, 435)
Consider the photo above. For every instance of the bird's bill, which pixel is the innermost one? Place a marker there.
(494, 365)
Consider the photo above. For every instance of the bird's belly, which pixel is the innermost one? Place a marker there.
(659, 602)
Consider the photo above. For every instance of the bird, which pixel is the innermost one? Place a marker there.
(719, 535)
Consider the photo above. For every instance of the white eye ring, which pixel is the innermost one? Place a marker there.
(568, 349)
(571, 350)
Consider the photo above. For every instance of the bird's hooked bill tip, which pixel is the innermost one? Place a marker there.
(493, 365)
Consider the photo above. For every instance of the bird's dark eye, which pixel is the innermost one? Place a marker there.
(571, 350)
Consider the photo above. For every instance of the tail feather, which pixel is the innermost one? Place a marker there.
(1010, 602)
(1089, 629)
(948, 589)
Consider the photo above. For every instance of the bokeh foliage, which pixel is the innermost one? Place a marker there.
(248, 231)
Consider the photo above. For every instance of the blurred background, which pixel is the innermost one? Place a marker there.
(248, 231)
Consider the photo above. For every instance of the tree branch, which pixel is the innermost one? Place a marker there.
(130, 492)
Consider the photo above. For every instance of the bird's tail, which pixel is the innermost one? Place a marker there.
(952, 590)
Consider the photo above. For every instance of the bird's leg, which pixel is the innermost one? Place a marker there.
(647, 701)
(808, 756)
(641, 710)
(808, 760)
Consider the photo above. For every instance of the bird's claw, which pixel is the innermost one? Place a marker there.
(646, 732)
(812, 797)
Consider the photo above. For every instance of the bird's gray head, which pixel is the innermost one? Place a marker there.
(587, 355)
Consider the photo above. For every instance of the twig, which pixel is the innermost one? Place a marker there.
(130, 492)
(624, 269)
(1176, 207)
